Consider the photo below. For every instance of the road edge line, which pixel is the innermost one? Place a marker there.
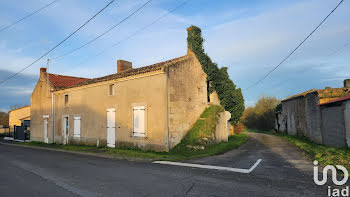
(239, 170)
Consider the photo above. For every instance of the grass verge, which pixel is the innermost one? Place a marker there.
(323, 154)
(234, 142)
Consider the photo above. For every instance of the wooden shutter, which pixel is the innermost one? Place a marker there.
(77, 126)
(139, 121)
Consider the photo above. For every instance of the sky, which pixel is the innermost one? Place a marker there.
(248, 37)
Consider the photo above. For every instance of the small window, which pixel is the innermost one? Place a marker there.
(66, 99)
(111, 90)
(139, 121)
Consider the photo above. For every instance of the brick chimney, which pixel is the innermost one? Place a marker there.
(188, 34)
(347, 83)
(42, 70)
(123, 65)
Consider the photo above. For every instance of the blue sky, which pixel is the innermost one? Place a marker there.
(248, 37)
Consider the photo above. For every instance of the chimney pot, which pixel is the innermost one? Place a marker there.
(347, 83)
(123, 65)
(43, 70)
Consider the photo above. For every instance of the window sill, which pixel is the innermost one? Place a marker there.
(139, 136)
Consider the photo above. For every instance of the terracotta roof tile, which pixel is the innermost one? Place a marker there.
(299, 95)
(336, 100)
(129, 72)
(61, 81)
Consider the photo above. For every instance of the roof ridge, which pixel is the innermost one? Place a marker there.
(143, 67)
(131, 72)
(67, 76)
(19, 108)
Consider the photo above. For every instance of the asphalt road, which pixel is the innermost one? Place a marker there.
(284, 171)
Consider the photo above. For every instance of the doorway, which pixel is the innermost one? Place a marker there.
(65, 126)
(111, 127)
(46, 126)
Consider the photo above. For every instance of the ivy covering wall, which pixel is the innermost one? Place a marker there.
(230, 96)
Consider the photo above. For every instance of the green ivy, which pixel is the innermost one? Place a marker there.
(230, 96)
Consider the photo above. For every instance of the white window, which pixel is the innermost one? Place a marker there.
(139, 121)
(111, 90)
(76, 126)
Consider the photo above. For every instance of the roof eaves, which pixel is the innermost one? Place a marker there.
(335, 101)
(19, 108)
(303, 94)
(131, 72)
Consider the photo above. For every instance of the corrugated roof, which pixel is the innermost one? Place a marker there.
(61, 81)
(130, 72)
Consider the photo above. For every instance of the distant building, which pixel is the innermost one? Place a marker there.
(150, 107)
(17, 116)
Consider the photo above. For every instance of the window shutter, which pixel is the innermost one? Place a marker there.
(139, 121)
(76, 126)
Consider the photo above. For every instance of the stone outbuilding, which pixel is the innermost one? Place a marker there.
(319, 115)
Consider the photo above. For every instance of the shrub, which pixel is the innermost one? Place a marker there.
(262, 115)
(230, 96)
(239, 128)
(204, 128)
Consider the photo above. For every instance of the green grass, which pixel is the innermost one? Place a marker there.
(323, 154)
(234, 142)
(204, 128)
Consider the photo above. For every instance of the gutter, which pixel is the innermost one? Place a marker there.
(53, 116)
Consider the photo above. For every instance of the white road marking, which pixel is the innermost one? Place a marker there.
(245, 171)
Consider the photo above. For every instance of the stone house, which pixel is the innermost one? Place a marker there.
(149, 107)
(17, 116)
(319, 115)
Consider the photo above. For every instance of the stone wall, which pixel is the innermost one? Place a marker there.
(187, 97)
(333, 126)
(313, 117)
(294, 110)
(40, 105)
(347, 122)
(222, 127)
(327, 124)
(91, 102)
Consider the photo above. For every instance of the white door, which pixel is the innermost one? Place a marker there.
(65, 126)
(46, 125)
(111, 127)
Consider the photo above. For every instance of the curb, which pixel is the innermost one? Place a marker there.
(80, 153)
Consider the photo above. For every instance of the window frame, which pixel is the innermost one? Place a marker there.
(76, 117)
(66, 101)
(111, 87)
(137, 134)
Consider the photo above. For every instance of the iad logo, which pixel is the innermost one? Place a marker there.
(335, 191)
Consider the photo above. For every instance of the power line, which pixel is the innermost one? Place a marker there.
(10, 77)
(338, 50)
(27, 16)
(138, 31)
(104, 33)
(295, 48)
(307, 68)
